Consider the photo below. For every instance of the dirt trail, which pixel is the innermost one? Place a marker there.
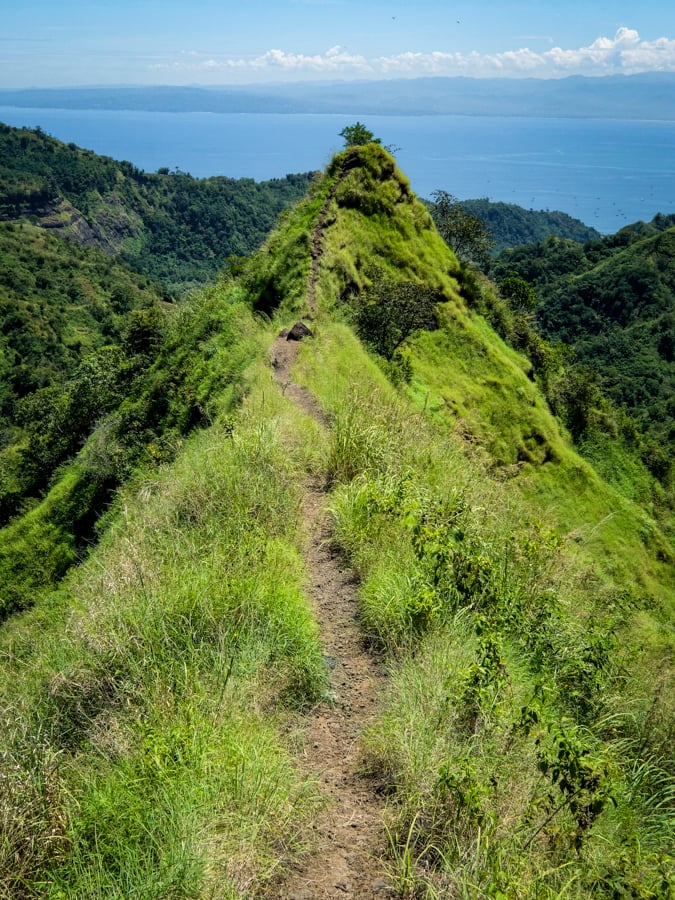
(349, 836)
(316, 247)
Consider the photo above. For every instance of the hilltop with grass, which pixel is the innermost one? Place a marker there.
(162, 656)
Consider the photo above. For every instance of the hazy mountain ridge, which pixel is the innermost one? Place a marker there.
(646, 96)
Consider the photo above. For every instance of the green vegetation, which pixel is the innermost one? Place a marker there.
(58, 303)
(199, 367)
(388, 313)
(76, 328)
(357, 135)
(177, 229)
(522, 606)
(524, 743)
(612, 302)
(141, 746)
(512, 226)
(464, 232)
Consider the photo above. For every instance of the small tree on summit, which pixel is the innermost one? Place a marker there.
(357, 135)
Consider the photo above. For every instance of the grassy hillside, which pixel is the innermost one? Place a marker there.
(177, 229)
(523, 609)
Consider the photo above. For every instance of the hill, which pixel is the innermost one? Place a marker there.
(91, 249)
(177, 229)
(58, 302)
(513, 226)
(612, 300)
(183, 701)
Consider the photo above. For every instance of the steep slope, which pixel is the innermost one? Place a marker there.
(178, 229)
(163, 700)
(370, 227)
(613, 301)
(66, 313)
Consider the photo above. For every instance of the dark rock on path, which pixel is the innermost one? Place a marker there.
(298, 332)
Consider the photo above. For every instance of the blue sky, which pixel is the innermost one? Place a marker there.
(56, 43)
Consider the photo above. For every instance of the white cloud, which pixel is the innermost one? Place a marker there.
(625, 53)
(333, 61)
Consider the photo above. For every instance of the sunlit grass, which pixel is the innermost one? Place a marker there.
(188, 640)
(503, 641)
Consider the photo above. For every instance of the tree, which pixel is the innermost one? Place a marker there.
(520, 294)
(576, 397)
(392, 311)
(465, 234)
(357, 135)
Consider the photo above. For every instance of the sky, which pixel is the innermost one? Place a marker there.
(62, 43)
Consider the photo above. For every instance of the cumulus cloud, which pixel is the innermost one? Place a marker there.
(625, 53)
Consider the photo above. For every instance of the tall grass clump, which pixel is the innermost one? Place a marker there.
(141, 746)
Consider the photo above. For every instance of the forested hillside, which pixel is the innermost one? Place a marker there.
(613, 302)
(90, 250)
(511, 226)
(177, 229)
(75, 324)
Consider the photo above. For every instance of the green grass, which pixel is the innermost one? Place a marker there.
(522, 607)
(147, 697)
(523, 737)
(198, 375)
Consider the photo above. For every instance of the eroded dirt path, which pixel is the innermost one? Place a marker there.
(349, 835)
(316, 245)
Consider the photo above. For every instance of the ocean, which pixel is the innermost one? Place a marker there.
(606, 172)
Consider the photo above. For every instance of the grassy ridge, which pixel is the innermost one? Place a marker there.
(523, 608)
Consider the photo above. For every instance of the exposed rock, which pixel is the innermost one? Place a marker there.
(298, 332)
(105, 228)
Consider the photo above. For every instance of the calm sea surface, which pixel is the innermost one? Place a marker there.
(607, 173)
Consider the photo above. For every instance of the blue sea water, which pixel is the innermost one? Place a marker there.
(606, 172)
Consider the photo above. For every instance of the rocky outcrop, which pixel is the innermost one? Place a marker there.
(106, 228)
(298, 332)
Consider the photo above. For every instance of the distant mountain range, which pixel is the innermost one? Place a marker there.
(643, 96)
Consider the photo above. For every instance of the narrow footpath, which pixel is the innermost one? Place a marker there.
(346, 858)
